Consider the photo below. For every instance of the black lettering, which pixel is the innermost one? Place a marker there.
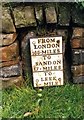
(43, 46)
(35, 47)
(43, 51)
(50, 73)
(45, 84)
(42, 79)
(55, 67)
(49, 57)
(48, 45)
(36, 53)
(56, 82)
(39, 46)
(46, 78)
(58, 50)
(47, 40)
(50, 83)
(58, 62)
(53, 45)
(54, 62)
(54, 51)
(45, 74)
(50, 68)
(50, 78)
(44, 63)
(53, 40)
(59, 79)
(54, 78)
(49, 62)
(41, 40)
(35, 68)
(36, 63)
(44, 68)
(59, 67)
(58, 43)
(40, 63)
(49, 52)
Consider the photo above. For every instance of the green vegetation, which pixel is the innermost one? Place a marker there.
(80, 4)
(51, 102)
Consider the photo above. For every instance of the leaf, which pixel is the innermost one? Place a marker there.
(28, 114)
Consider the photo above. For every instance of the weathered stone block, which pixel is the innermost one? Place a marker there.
(50, 32)
(10, 52)
(9, 63)
(63, 33)
(78, 70)
(26, 58)
(78, 15)
(78, 80)
(51, 16)
(78, 56)
(39, 14)
(12, 81)
(78, 32)
(7, 22)
(7, 39)
(64, 14)
(77, 43)
(11, 71)
(24, 16)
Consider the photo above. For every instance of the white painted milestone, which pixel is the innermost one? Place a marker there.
(47, 61)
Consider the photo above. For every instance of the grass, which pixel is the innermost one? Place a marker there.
(52, 102)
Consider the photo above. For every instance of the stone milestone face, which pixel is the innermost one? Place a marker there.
(47, 61)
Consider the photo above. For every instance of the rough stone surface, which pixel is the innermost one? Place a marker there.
(7, 39)
(63, 33)
(78, 70)
(77, 43)
(24, 16)
(12, 81)
(11, 71)
(26, 58)
(78, 56)
(9, 63)
(10, 52)
(78, 32)
(78, 80)
(78, 15)
(39, 14)
(64, 14)
(7, 22)
(51, 16)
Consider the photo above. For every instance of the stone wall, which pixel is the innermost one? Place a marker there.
(21, 21)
